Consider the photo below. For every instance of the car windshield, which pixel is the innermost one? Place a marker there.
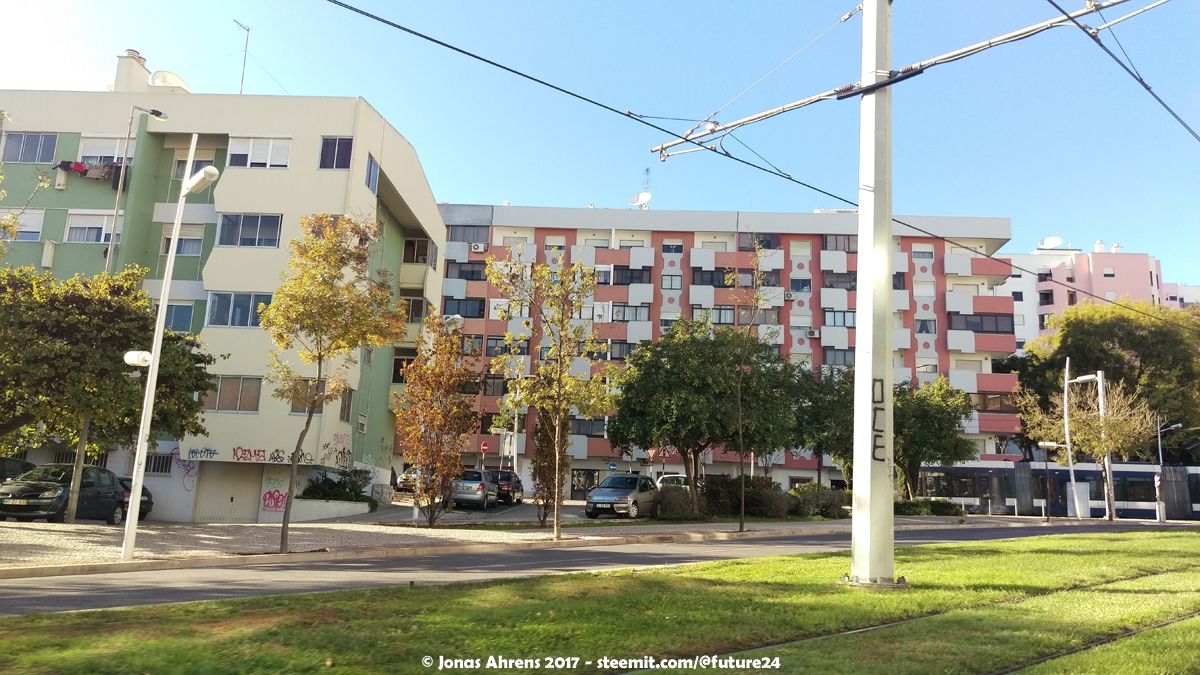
(48, 474)
(126, 483)
(619, 483)
(504, 475)
(472, 475)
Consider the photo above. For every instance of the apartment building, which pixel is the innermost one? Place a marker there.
(657, 267)
(281, 158)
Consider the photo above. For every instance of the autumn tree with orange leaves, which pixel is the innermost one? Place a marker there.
(434, 417)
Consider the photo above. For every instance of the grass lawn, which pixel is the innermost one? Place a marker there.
(1170, 649)
(1017, 592)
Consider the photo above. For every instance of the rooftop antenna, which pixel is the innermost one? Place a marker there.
(642, 199)
(245, 51)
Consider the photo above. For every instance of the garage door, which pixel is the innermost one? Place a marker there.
(228, 493)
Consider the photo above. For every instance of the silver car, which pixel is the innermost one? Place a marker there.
(476, 487)
(626, 494)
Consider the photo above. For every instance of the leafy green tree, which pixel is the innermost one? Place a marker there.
(928, 427)
(9, 220)
(823, 403)
(554, 294)
(329, 306)
(63, 378)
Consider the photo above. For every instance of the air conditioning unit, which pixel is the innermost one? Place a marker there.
(813, 333)
(479, 247)
(789, 295)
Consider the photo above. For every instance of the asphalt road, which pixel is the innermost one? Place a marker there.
(99, 591)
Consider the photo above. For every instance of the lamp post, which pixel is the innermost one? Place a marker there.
(1098, 378)
(193, 184)
(123, 152)
(1160, 508)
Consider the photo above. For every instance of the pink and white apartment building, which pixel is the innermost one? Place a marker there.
(657, 267)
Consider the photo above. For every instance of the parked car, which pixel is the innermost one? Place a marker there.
(407, 481)
(673, 479)
(623, 494)
(509, 487)
(476, 487)
(11, 467)
(147, 498)
(43, 492)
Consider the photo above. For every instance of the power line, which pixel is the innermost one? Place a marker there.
(1118, 41)
(1134, 75)
(723, 153)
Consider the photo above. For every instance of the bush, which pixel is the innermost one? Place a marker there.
(927, 507)
(813, 499)
(676, 504)
(770, 503)
(944, 508)
(722, 497)
(346, 488)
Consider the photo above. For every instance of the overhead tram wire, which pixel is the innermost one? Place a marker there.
(1137, 78)
(1116, 39)
(721, 153)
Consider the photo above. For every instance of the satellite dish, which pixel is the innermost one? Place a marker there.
(1050, 242)
(165, 78)
(640, 200)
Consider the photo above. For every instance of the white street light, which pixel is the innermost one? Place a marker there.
(112, 236)
(195, 183)
(1098, 378)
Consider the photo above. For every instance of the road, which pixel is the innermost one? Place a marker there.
(98, 591)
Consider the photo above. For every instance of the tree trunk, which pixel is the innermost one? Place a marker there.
(1110, 498)
(16, 423)
(742, 480)
(77, 475)
(287, 505)
(690, 470)
(557, 476)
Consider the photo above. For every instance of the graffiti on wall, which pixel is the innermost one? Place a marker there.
(201, 453)
(188, 469)
(274, 497)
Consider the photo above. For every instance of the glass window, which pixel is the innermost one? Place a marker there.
(719, 315)
(233, 393)
(836, 318)
(672, 282)
(496, 347)
(494, 385)
(198, 165)
(747, 240)
(28, 148)
(401, 358)
(672, 248)
(982, 323)
(1071, 298)
(625, 313)
(472, 344)
(801, 285)
(928, 326)
(839, 357)
(236, 309)
(472, 234)
(29, 223)
(300, 404)
(372, 178)
(347, 407)
(469, 308)
(1045, 298)
(926, 255)
(898, 281)
(186, 246)
(840, 242)
(846, 280)
(1018, 296)
(714, 278)
(589, 428)
(259, 153)
(249, 230)
(416, 251)
(335, 154)
(179, 318)
(623, 276)
(471, 271)
(618, 350)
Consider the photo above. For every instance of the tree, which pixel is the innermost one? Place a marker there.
(824, 411)
(928, 426)
(63, 378)
(1156, 351)
(434, 417)
(554, 294)
(10, 220)
(330, 305)
(1124, 431)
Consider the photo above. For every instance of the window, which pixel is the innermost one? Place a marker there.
(260, 153)
(898, 281)
(928, 326)
(604, 275)
(249, 230)
(672, 282)
(720, 315)
(335, 154)
(472, 344)
(98, 151)
(471, 271)
(594, 243)
(618, 350)
(86, 228)
(1042, 323)
(745, 278)
(494, 385)
(715, 278)
(347, 407)
(839, 357)
(846, 280)
(667, 323)
(470, 308)
(1070, 276)
(181, 167)
(233, 393)
(801, 285)
(1018, 296)
(159, 464)
(927, 364)
(627, 244)
(834, 318)
(994, 402)
(971, 365)
(589, 428)
(401, 357)
(29, 223)
(1044, 276)
(625, 313)
(845, 242)
(186, 246)
(1109, 272)
(1070, 297)
(496, 347)
(372, 178)
(623, 276)
(179, 318)
(27, 148)
(672, 248)
(752, 316)
(361, 425)
(300, 403)
(486, 421)
(472, 234)
(418, 306)
(715, 245)
(235, 309)
(1020, 344)
(746, 241)
(982, 323)
(1045, 298)
(922, 255)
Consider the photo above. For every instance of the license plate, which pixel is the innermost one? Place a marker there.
(17, 502)
(604, 506)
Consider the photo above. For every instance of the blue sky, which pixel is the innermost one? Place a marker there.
(1048, 131)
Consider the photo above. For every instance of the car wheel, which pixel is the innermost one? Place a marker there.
(142, 515)
(656, 510)
(591, 515)
(634, 512)
(118, 515)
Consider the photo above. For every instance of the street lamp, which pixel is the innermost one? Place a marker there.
(1160, 508)
(112, 236)
(1098, 378)
(195, 183)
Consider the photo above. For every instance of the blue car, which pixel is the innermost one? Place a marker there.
(43, 492)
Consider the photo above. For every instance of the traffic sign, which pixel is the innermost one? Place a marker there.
(483, 447)
(612, 466)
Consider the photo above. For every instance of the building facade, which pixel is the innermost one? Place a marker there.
(281, 158)
(656, 267)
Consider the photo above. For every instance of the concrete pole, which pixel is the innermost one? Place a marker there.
(1079, 508)
(1109, 503)
(1160, 508)
(872, 561)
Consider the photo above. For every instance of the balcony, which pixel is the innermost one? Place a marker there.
(1004, 383)
(612, 256)
(997, 343)
(901, 338)
(999, 423)
(833, 261)
(958, 302)
(995, 270)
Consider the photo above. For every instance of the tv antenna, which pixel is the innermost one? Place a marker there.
(642, 199)
(245, 51)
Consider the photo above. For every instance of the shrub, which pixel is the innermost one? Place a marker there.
(722, 497)
(928, 507)
(770, 503)
(346, 488)
(676, 504)
(813, 499)
(944, 508)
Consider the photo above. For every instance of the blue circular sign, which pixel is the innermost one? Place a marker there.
(612, 466)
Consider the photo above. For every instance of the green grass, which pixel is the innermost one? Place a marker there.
(1170, 649)
(683, 611)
